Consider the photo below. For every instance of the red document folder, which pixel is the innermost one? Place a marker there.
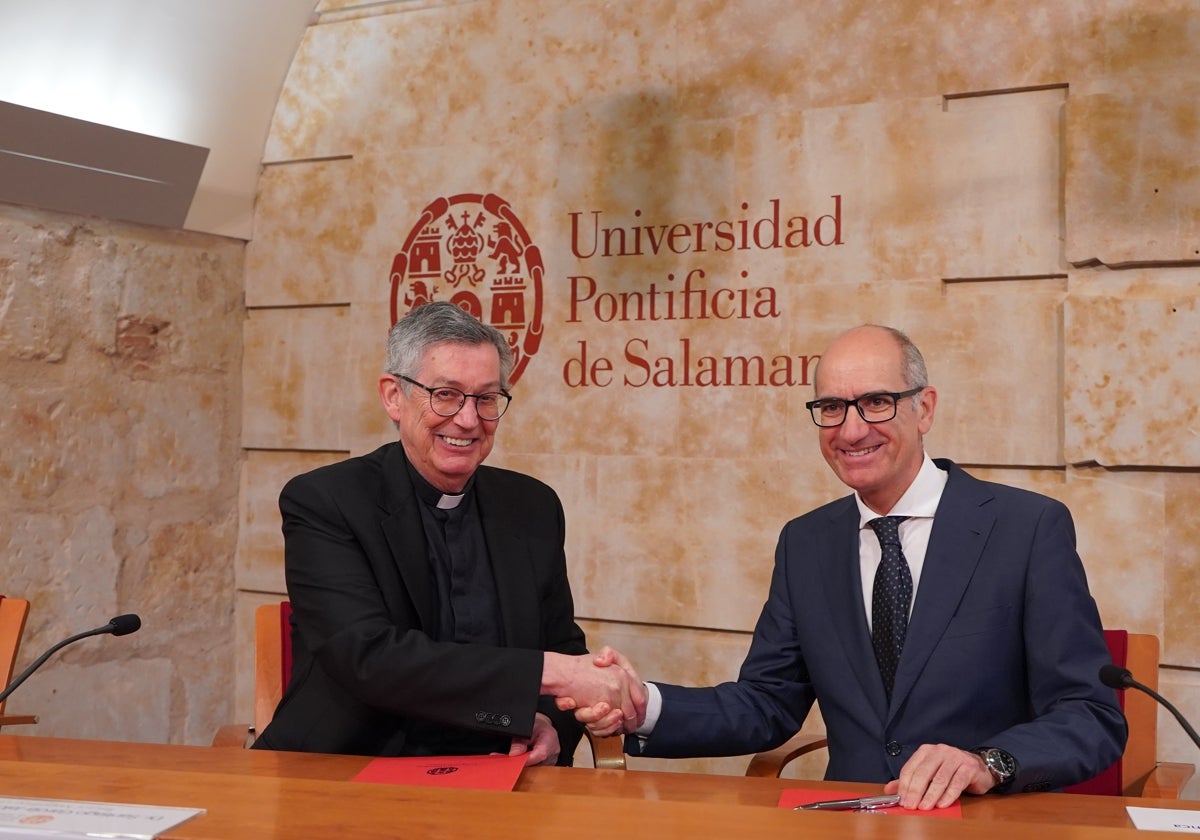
(480, 772)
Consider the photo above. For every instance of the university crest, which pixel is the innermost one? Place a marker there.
(473, 251)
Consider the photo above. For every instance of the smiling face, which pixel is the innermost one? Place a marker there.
(445, 450)
(877, 460)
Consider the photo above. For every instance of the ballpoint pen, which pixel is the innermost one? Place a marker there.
(864, 803)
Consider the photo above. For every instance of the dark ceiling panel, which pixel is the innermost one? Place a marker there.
(61, 163)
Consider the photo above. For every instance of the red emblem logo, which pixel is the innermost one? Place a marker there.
(473, 251)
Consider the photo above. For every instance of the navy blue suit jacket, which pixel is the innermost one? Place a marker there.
(1003, 650)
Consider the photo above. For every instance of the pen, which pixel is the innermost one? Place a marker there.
(865, 803)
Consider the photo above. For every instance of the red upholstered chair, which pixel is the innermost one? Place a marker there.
(1138, 772)
(13, 612)
(273, 669)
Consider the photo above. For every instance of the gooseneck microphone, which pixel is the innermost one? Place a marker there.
(122, 625)
(1114, 676)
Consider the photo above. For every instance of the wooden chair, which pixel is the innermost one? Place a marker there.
(1137, 773)
(13, 612)
(273, 667)
(272, 648)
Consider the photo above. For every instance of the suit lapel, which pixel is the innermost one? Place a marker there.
(406, 535)
(843, 591)
(508, 549)
(960, 531)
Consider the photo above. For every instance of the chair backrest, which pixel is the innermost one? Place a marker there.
(13, 612)
(1139, 653)
(272, 659)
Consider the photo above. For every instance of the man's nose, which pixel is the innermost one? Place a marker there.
(854, 426)
(468, 415)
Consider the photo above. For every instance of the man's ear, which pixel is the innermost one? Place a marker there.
(927, 405)
(391, 395)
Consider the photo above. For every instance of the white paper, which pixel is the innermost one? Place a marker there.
(1165, 819)
(45, 818)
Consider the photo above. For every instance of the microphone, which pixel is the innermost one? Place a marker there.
(1114, 676)
(122, 625)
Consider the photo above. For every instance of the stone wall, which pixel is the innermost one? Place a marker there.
(121, 354)
(1014, 184)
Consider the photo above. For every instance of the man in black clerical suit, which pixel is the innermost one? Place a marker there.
(431, 609)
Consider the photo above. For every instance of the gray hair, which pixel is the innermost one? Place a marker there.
(912, 363)
(438, 322)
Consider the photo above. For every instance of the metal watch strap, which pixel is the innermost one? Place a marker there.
(998, 777)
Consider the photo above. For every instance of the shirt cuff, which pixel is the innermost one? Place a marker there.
(653, 710)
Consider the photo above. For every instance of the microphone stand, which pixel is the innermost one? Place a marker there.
(24, 675)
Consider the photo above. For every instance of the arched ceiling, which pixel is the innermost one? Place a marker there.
(202, 72)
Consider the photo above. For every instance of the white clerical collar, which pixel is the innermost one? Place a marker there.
(448, 502)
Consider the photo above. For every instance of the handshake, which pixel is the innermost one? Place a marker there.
(606, 693)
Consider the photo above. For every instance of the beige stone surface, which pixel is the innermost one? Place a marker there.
(994, 45)
(260, 541)
(994, 184)
(1181, 573)
(774, 55)
(1131, 364)
(132, 697)
(984, 225)
(415, 65)
(307, 232)
(121, 354)
(297, 379)
(940, 150)
(1131, 178)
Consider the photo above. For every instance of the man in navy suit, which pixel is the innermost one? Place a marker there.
(431, 609)
(996, 642)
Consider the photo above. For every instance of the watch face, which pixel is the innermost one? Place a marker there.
(1001, 762)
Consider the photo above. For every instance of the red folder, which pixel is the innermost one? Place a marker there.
(480, 772)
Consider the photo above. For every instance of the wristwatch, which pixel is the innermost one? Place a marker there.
(999, 763)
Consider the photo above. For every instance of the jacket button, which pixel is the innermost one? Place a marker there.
(893, 748)
(479, 716)
(505, 720)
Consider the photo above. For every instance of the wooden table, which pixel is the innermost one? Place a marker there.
(248, 793)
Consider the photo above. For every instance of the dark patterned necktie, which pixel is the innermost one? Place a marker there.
(890, 597)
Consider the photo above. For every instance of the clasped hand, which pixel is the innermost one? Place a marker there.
(603, 689)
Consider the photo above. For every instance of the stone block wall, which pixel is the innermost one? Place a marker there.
(121, 352)
(1014, 184)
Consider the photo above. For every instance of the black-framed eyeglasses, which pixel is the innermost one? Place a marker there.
(446, 401)
(877, 407)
